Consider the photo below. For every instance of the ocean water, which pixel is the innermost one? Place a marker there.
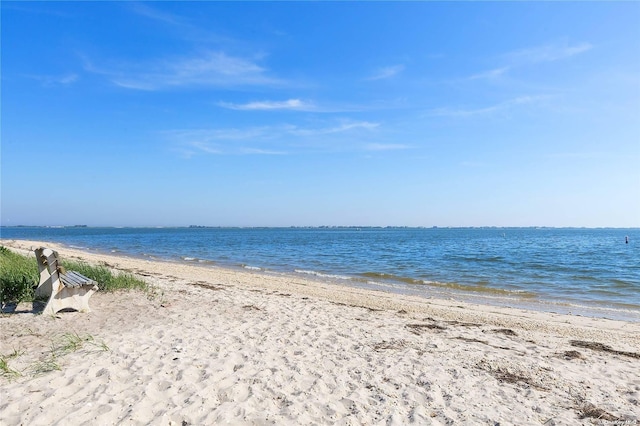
(590, 272)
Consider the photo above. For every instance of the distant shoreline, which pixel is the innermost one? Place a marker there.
(314, 227)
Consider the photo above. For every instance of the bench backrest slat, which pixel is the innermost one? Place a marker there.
(47, 259)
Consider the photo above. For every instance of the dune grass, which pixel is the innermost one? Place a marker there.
(6, 371)
(107, 280)
(51, 360)
(19, 277)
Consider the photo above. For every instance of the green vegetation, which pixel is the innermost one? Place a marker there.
(107, 281)
(63, 345)
(45, 366)
(5, 370)
(19, 277)
(72, 342)
(52, 359)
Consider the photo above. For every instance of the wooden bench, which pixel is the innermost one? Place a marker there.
(64, 290)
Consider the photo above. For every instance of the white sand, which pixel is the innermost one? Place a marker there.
(218, 346)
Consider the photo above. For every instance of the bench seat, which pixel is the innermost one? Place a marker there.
(75, 279)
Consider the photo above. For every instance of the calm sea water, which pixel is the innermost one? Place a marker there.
(585, 271)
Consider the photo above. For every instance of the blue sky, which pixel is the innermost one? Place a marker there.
(279, 114)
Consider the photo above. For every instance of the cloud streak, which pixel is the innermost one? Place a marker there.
(271, 140)
(385, 147)
(211, 69)
(531, 56)
(56, 80)
(546, 53)
(156, 15)
(181, 27)
(290, 104)
(491, 74)
(296, 104)
(487, 110)
(211, 65)
(386, 72)
(343, 127)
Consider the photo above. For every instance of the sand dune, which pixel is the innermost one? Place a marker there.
(219, 346)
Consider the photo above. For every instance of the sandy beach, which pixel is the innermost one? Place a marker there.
(219, 346)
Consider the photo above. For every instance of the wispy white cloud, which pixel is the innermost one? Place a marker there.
(213, 63)
(342, 127)
(55, 80)
(267, 132)
(208, 136)
(385, 147)
(210, 69)
(486, 110)
(268, 140)
(547, 53)
(312, 106)
(156, 14)
(182, 27)
(290, 104)
(386, 72)
(218, 141)
(530, 56)
(68, 79)
(258, 151)
(205, 146)
(491, 74)
(198, 147)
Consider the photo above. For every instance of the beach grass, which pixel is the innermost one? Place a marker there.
(107, 280)
(72, 342)
(19, 277)
(52, 360)
(5, 370)
(63, 345)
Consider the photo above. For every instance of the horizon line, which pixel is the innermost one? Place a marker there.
(316, 227)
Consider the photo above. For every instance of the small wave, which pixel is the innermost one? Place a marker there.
(477, 288)
(621, 284)
(375, 274)
(378, 284)
(482, 289)
(476, 259)
(189, 259)
(321, 275)
(391, 277)
(252, 268)
(604, 309)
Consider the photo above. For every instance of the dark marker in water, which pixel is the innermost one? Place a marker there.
(626, 240)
